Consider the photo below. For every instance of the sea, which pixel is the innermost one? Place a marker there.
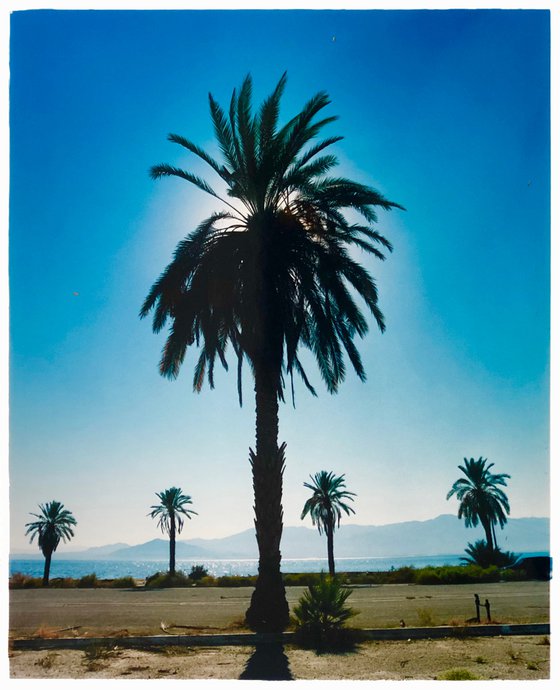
(110, 569)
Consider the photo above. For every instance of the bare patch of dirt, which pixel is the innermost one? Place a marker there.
(508, 658)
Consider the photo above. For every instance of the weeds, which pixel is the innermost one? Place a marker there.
(532, 666)
(88, 581)
(513, 654)
(45, 632)
(96, 656)
(425, 617)
(122, 582)
(47, 661)
(177, 579)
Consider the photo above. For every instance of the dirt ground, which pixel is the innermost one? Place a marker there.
(116, 613)
(508, 658)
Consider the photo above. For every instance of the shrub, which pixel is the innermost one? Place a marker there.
(88, 581)
(123, 582)
(21, 581)
(402, 575)
(457, 575)
(321, 614)
(236, 580)
(300, 579)
(62, 583)
(425, 617)
(178, 579)
(198, 572)
(207, 581)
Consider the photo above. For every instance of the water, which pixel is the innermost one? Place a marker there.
(217, 567)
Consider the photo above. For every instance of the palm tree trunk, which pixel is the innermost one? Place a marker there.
(488, 532)
(47, 569)
(172, 546)
(268, 611)
(330, 548)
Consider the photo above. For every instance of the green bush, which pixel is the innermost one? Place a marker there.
(402, 575)
(237, 581)
(123, 582)
(198, 572)
(178, 579)
(21, 581)
(321, 614)
(457, 575)
(88, 581)
(300, 579)
(207, 581)
(62, 583)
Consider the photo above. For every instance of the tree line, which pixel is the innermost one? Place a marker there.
(481, 500)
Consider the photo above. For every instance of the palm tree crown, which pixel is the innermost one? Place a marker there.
(480, 498)
(326, 506)
(272, 271)
(53, 524)
(327, 502)
(171, 509)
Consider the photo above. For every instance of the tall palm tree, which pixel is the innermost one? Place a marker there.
(53, 523)
(326, 505)
(269, 273)
(170, 511)
(480, 498)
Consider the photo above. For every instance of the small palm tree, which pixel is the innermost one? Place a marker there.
(326, 505)
(53, 524)
(480, 498)
(170, 512)
(480, 554)
(321, 613)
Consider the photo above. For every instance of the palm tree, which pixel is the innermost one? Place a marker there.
(268, 274)
(53, 524)
(326, 505)
(480, 498)
(170, 512)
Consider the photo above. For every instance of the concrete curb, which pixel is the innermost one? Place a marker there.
(253, 639)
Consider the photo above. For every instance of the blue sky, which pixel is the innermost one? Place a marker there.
(446, 113)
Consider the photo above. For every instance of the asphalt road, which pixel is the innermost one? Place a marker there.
(139, 611)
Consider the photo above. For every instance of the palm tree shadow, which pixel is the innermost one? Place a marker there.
(268, 662)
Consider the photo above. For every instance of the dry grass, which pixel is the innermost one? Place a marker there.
(46, 632)
(47, 661)
(97, 657)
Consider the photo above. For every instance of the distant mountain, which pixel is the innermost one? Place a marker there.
(102, 551)
(443, 535)
(157, 550)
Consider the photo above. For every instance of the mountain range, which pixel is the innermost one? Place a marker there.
(442, 535)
